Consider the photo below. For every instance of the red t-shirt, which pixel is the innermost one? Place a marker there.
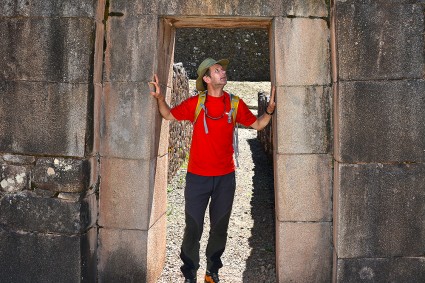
(212, 154)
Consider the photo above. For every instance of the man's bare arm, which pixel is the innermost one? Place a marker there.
(163, 107)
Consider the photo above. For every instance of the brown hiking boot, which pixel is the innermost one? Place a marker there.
(211, 277)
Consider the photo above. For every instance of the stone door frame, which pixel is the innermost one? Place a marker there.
(311, 161)
(132, 198)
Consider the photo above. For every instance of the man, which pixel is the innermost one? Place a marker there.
(211, 168)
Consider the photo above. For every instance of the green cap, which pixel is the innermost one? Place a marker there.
(202, 69)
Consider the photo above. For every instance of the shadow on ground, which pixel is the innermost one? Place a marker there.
(262, 241)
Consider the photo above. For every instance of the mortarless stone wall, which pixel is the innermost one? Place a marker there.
(265, 135)
(247, 50)
(180, 131)
(81, 139)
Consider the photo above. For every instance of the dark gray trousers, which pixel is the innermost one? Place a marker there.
(220, 190)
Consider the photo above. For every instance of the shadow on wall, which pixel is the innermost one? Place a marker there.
(123, 266)
(262, 259)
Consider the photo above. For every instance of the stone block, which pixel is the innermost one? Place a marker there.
(89, 255)
(377, 42)
(156, 249)
(61, 174)
(89, 211)
(303, 119)
(159, 193)
(50, 8)
(303, 189)
(131, 8)
(15, 159)
(304, 252)
(60, 49)
(380, 210)
(379, 2)
(306, 8)
(34, 257)
(221, 8)
(302, 51)
(94, 179)
(27, 212)
(398, 269)
(380, 121)
(43, 118)
(126, 195)
(129, 121)
(122, 255)
(130, 54)
(14, 178)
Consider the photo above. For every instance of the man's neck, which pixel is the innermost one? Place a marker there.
(215, 92)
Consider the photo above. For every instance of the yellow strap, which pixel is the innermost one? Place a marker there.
(235, 103)
(201, 100)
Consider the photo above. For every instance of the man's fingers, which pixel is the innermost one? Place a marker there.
(155, 84)
(273, 93)
(272, 102)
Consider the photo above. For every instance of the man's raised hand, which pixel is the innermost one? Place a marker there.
(157, 90)
(272, 102)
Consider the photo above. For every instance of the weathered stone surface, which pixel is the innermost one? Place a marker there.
(89, 211)
(303, 119)
(156, 249)
(43, 118)
(125, 196)
(304, 188)
(397, 269)
(304, 252)
(94, 174)
(246, 49)
(61, 174)
(49, 8)
(302, 53)
(380, 2)
(27, 212)
(220, 8)
(381, 121)
(130, 49)
(131, 8)
(125, 102)
(180, 132)
(60, 49)
(14, 178)
(379, 41)
(305, 8)
(265, 135)
(34, 257)
(158, 206)
(122, 255)
(380, 210)
(18, 159)
(89, 255)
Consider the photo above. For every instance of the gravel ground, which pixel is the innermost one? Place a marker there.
(250, 251)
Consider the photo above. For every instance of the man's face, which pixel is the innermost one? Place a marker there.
(217, 76)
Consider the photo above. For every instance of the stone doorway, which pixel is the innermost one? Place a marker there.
(302, 168)
(249, 256)
(300, 68)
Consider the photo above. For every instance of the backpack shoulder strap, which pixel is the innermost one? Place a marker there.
(201, 100)
(234, 102)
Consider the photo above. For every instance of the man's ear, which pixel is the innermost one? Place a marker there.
(206, 79)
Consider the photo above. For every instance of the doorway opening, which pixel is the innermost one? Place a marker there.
(248, 253)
